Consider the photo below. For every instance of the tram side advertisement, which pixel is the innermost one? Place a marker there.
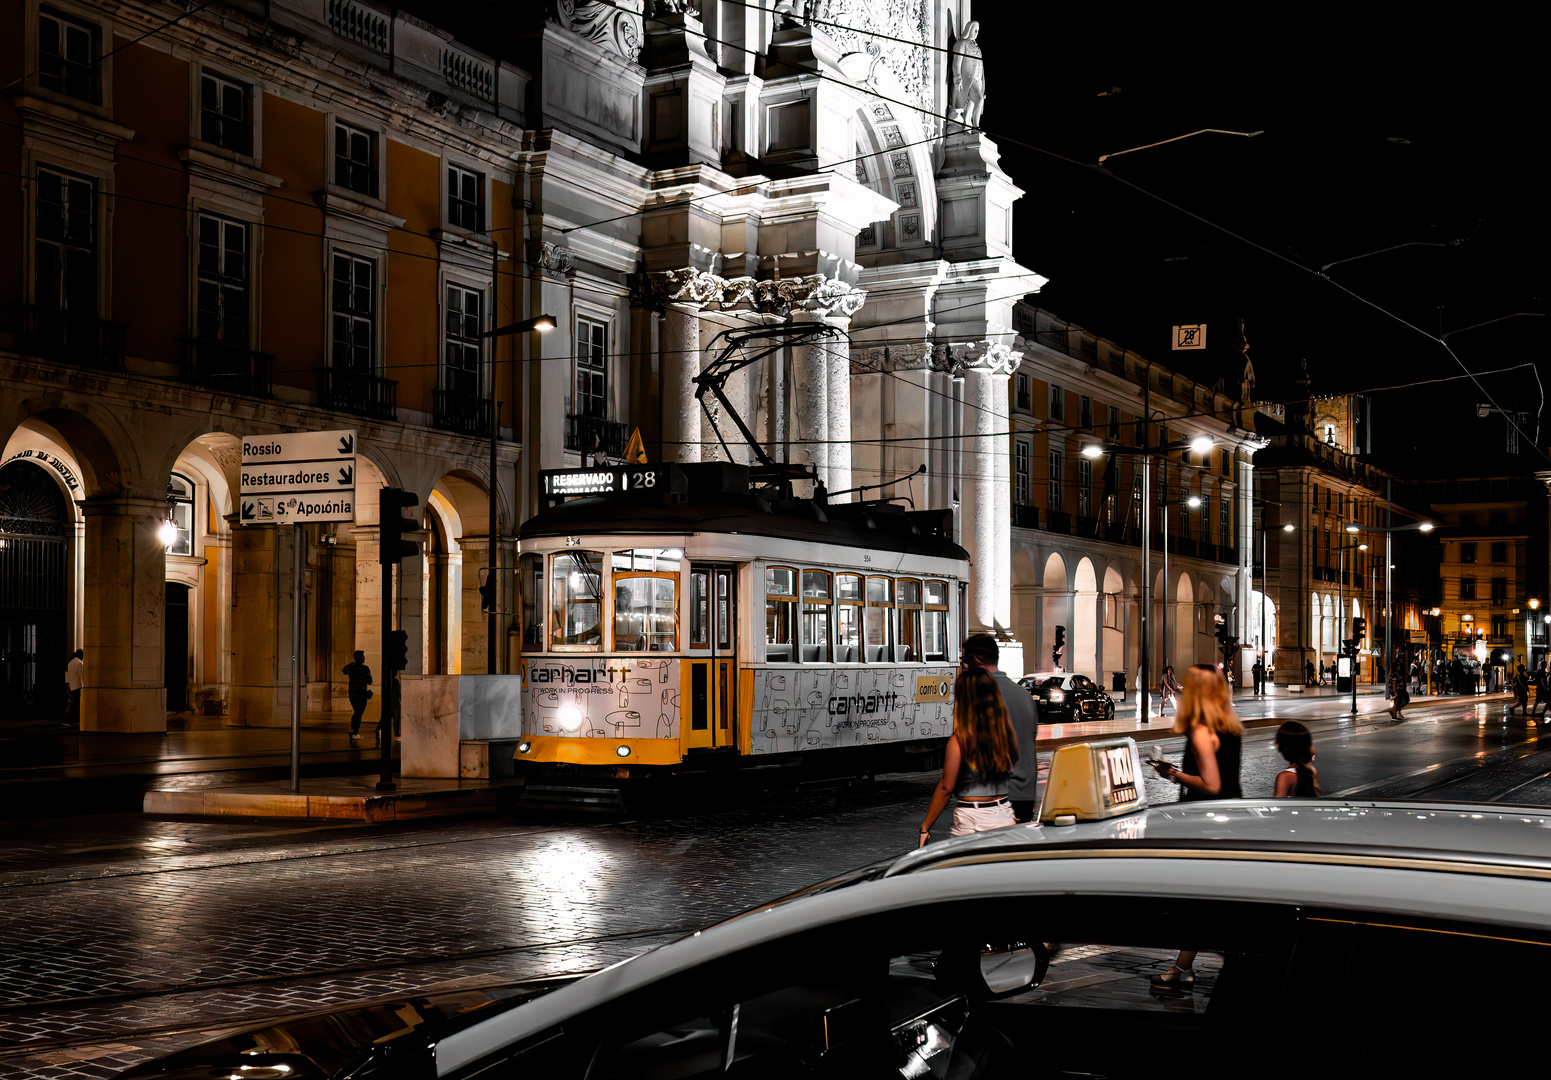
(793, 709)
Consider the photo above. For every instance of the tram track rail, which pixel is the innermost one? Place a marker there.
(10, 1051)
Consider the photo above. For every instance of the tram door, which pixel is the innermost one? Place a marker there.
(709, 691)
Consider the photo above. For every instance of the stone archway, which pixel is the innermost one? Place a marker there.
(35, 527)
(1055, 610)
(1083, 645)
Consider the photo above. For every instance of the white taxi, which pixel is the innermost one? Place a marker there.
(1344, 938)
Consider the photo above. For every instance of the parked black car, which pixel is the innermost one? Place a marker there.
(1066, 696)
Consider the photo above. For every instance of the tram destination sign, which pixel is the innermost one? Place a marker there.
(648, 480)
(298, 477)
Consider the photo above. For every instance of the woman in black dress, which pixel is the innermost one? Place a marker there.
(1210, 769)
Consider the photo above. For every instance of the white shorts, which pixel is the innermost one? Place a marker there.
(973, 817)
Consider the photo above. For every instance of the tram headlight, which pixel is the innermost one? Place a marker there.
(524, 746)
(623, 750)
(570, 717)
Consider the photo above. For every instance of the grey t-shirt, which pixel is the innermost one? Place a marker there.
(1025, 723)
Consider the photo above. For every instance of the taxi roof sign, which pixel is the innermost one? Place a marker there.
(1092, 781)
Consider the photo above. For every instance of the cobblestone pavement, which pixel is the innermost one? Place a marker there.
(124, 936)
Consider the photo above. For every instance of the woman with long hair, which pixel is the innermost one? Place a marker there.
(1210, 769)
(977, 760)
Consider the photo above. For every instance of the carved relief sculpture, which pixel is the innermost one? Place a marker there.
(969, 78)
(615, 25)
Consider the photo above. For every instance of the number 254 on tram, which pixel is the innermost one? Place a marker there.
(674, 616)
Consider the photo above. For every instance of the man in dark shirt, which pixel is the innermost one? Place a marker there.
(982, 651)
(360, 691)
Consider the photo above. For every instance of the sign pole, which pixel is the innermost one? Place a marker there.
(298, 562)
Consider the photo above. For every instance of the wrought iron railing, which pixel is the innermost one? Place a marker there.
(358, 392)
(590, 435)
(227, 367)
(464, 413)
(1025, 517)
(68, 338)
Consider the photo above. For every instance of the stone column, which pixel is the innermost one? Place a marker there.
(475, 622)
(987, 505)
(368, 609)
(810, 408)
(125, 598)
(680, 365)
(261, 626)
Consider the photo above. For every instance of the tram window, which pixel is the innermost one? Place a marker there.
(780, 614)
(575, 579)
(877, 622)
(646, 584)
(934, 622)
(530, 588)
(848, 618)
(699, 609)
(909, 645)
(816, 585)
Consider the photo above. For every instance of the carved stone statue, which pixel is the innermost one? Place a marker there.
(969, 78)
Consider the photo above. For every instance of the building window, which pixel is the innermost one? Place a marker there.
(65, 246)
(1084, 488)
(223, 281)
(1057, 403)
(1499, 628)
(1499, 590)
(354, 304)
(1021, 472)
(461, 347)
(355, 160)
(1055, 481)
(180, 511)
(224, 118)
(1225, 524)
(465, 198)
(67, 56)
(592, 349)
(1467, 553)
(1114, 423)
(1023, 391)
(1085, 413)
(1227, 463)
(1499, 553)
(1467, 588)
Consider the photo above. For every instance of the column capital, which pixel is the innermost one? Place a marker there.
(813, 293)
(989, 358)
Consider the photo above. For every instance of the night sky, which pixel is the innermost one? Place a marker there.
(1416, 131)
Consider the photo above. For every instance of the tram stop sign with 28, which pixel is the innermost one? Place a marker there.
(298, 477)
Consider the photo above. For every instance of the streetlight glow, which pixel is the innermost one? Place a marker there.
(1202, 444)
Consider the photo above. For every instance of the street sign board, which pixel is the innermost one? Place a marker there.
(298, 477)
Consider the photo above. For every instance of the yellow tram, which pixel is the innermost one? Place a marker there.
(678, 618)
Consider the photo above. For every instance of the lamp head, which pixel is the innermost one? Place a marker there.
(1202, 444)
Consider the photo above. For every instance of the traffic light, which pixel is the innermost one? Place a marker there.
(391, 504)
(1359, 630)
(1055, 650)
(395, 652)
(1222, 629)
(487, 600)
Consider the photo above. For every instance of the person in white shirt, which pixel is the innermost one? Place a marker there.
(75, 677)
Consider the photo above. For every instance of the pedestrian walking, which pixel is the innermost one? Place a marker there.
(75, 678)
(977, 761)
(360, 691)
(1416, 678)
(981, 651)
(1308, 673)
(1542, 678)
(1399, 697)
(1520, 692)
(1300, 779)
(1209, 770)
(1259, 673)
(1170, 688)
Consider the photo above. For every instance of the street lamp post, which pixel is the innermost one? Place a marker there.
(1389, 599)
(1265, 575)
(493, 619)
(1193, 501)
(1201, 444)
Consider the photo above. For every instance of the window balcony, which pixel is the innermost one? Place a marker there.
(67, 338)
(464, 413)
(232, 368)
(591, 435)
(1025, 517)
(1058, 521)
(358, 392)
